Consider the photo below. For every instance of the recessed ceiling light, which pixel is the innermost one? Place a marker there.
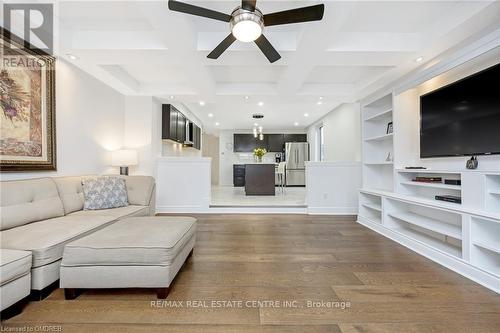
(210, 115)
(217, 124)
(306, 114)
(320, 97)
(72, 56)
(246, 97)
(319, 103)
(260, 104)
(295, 124)
(202, 103)
(419, 59)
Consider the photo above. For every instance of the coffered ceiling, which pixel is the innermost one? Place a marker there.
(142, 48)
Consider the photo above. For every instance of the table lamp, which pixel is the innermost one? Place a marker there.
(124, 158)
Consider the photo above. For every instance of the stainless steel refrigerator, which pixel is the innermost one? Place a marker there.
(296, 154)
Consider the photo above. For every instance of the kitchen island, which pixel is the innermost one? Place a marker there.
(260, 179)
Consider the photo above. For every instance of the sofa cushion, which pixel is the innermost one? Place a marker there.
(71, 192)
(151, 241)
(117, 213)
(13, 265)
(104, 192)
(46, 239)
(26, 201)
(139, 189)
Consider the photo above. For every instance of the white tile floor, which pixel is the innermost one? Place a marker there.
(223, 196)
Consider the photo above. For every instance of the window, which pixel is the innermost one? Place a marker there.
(321, 141)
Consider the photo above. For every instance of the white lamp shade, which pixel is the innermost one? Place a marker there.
(123, 157)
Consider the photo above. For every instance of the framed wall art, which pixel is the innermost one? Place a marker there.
(27, 107)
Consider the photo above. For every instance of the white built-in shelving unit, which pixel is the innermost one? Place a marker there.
(464, 237)
(378, 144)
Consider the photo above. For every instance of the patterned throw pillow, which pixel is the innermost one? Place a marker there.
(104, 192)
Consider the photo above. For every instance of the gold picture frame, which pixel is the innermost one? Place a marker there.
(27, 107)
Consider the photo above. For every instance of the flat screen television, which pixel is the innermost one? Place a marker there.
(462, 118)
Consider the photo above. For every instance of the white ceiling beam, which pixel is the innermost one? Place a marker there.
(123, 40)
(241, 89)
(312, 43)
(376, 42)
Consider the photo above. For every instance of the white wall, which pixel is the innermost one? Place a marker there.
(89, 124)
(143, 116)
(183, 185)
(210, 149)
(139, 133)
(332, 187)
(342, 131)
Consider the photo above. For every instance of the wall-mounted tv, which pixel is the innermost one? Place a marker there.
(462, 118)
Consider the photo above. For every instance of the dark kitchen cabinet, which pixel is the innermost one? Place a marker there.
(246, 143)
(238, 175)
(196, 137)
(169, 122)
(295, 138)
(174, 126)
(275, 143)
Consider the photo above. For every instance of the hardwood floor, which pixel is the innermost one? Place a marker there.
(372, 284)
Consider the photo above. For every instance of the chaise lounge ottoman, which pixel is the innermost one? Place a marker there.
(15, 276)
(138, 252)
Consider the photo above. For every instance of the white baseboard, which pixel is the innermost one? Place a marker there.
(257, 210)
(457, 265)
(332, 210)
(182, 209)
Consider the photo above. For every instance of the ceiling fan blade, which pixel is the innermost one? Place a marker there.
(269, 51)
(198, 11)
(222, 47)
(297, 15)
(248, 5)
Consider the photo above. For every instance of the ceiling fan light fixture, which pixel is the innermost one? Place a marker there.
(247, 26)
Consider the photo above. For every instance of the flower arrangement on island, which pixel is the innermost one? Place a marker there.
(259, 152)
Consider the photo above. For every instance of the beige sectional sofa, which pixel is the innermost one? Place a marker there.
(14, 277)
(43, 215)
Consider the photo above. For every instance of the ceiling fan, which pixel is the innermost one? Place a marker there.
(247, 23)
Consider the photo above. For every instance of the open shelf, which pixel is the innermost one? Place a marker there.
(435, 243)
(490, 247)
(492, 199)
(384, 114)
(485, 238)
(380, 137)
(376, 207)
(370, 207)
(433, 185)
(407, 185)
(429, 224)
